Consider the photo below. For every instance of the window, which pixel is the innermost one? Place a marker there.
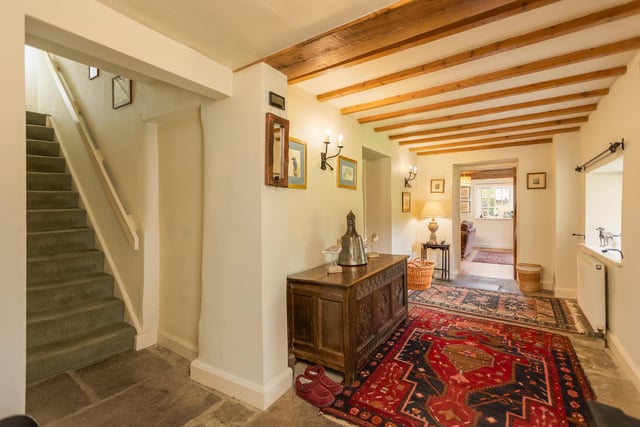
(493, 201)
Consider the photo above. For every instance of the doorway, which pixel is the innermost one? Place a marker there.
(488, 221)
(376, 180)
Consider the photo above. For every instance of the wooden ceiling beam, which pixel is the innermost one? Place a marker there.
(517, 71)
(495, 131)
(497, 138)
(487, 123)
(487, 147)
(403, 25)
(499, 109)
(532, 87)
(582, 23)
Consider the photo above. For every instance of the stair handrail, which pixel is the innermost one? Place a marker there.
(126, 220)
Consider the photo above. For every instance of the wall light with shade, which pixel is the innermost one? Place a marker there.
(323, 156)
(413, 172)
(433, 209)
(465, 180)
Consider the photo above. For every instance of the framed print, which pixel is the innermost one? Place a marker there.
(536, 180)
(297, 163)
(465, 206)
(465, 192)
(93, 72)
(120, 91)
(347, 173)
(437, 185)
(406, 201)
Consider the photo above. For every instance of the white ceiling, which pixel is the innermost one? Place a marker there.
(240, 32)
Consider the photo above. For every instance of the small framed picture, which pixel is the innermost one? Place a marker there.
(93, 72)
(536, 180)
(406, 201)
(465, 206)
(347, 173)
(465, 192)
(437, 185)
(297, 163)
(120, 91)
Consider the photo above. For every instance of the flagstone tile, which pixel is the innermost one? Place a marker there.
(55, 397)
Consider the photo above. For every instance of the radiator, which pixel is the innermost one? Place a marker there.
(592, 294)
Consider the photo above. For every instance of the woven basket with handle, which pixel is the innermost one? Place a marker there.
(419, 274)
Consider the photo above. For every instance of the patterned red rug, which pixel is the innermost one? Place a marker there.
(441, 369)
(491, 257)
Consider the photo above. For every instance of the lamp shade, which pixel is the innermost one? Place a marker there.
(465, 180)
(432, 209)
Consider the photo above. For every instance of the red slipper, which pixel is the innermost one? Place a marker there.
(317, 372)
(313, 392)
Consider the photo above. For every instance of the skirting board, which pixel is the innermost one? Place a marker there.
(569, 293)
(623, 360)
(146, 339)
(176, 344)
(248, 392)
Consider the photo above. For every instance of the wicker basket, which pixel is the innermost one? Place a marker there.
(529, 276)
(419, 274)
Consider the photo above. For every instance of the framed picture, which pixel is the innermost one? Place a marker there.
(120, 91)
(465, 206)
(536, 180)
(406, 201)
(437, 185)
(347, 173)
(465, 192)
(297, 163)
(93, 72)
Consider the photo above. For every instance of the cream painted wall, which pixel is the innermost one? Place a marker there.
(535, 207)
(180, 206)
(616, 118)
(320, 211)
(13, 228)
(568, 216)
(243, 325)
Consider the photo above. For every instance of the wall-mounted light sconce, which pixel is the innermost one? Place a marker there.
(323, 156)
(465, 180)
(413, 172)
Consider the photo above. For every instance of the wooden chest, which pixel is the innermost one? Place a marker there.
(337, 320)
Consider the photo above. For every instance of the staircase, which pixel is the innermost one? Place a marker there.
(73, 318)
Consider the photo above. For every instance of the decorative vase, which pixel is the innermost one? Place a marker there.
(352, 252)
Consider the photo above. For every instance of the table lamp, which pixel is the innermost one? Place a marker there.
(433, 209)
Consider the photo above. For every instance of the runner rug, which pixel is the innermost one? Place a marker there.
(441, 369)
(491, 257)
(546, 312)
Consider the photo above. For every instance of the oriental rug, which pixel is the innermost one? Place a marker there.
(442, 369)
(540, 311)
(494, 257)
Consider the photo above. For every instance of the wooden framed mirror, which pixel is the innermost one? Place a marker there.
(276, 162)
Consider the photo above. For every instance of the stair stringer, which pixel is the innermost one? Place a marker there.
(110, 266)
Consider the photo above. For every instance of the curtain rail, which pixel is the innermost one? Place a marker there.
(613, 147)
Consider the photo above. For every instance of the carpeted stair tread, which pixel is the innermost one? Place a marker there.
(79, 351)
(50, 242)
(53, 295)
(52, 199)
(48, 181)
(59, 324)
(55, 219)
(44, 133)
(35, 118)
(36, 163)
(43, 148)
(44, 268)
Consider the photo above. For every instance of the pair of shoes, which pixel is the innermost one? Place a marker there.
(316, 388)
(313, 392)
(319, 373)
